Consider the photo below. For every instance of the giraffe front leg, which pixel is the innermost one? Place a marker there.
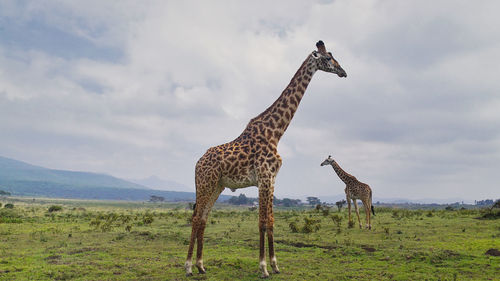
(266, 223)
(272, 256)
(262, 243)
(270, 238)
(262, 251)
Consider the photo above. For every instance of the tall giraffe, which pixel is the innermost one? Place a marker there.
(354, 190)
(252, 159)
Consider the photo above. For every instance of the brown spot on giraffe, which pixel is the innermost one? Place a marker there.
(259, 164)
(354, 190)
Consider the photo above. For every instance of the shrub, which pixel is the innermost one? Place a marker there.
(395, 214)
(337, 220)
(326, 211)
(9, 206)
(311, 225)
(54, 208)
(350, 224)
(293, 227)
(147, 218)
(10, 216)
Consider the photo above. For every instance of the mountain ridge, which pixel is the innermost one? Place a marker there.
(24, 179)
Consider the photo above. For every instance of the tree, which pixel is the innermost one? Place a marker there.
(287, 202)
(340, 204)
(277, 201)
(496, 205)
(240, 200)
(155, 198)
(484, 202)
(313, 201)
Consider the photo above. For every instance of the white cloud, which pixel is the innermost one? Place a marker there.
(134, 89)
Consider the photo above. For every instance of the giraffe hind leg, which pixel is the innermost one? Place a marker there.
(357, 213)
(366, 206)
(205, 207)
(206, 195)
(189, 264)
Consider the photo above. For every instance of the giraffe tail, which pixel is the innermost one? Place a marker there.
(371, 203)
(194, 209)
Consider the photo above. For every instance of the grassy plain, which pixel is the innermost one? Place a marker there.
(93, 240)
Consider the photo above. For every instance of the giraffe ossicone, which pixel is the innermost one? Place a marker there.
(252, 159)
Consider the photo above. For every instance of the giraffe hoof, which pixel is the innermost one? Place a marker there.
(263, 276)
(189, 274)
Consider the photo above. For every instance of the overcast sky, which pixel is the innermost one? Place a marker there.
(141, 88)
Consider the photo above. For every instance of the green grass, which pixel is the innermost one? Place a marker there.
(92, 240)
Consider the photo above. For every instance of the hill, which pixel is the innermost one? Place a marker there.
(23, 179)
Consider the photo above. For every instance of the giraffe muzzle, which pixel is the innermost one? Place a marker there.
(342, 73)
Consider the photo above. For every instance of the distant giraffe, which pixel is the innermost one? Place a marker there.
(252, 159)
(354, 190)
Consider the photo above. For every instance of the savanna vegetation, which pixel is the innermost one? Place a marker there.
(97, 240)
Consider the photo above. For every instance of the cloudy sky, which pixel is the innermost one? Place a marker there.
(141, 88)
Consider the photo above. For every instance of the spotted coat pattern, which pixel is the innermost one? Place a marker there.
(252, 159)
(354, 189)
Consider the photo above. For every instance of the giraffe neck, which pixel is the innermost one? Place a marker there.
(273, 122)
(343, 175)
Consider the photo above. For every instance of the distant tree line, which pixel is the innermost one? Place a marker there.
(486, 202)
(242, 199)
(286, 202)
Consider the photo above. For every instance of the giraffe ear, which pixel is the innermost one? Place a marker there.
(315, 54)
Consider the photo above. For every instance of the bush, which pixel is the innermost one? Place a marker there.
(54, 208)
(311, 225)
(293, 227)
(147, 218)
(350, 224)
(326, 211)
(337, 220)
(9, 206)
(10, 216)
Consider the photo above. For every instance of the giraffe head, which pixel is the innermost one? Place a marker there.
(324, 60)
(328, 161)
